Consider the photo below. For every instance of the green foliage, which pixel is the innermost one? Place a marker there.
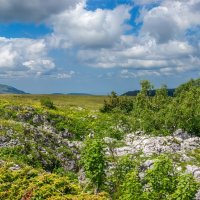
(186, 188)
(124, 165)
(162, 178)
(15, 184)
(146, 87)
(126, 104)
(131, 189)
(162, 182)
(94, 163)
(48, 103)
(29, 183)
(187, 86)
(186, 108)
(160, 114)
(116, 103)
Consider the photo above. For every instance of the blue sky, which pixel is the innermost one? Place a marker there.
(96, 46)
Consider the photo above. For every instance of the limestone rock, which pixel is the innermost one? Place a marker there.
(197, 197)
(180, 142)
(191, 143)
(15, 167)
(38, 119)
(148, 164)
(193, 170)
(181, 134)
(66, 134)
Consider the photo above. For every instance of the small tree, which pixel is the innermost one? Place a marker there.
(93, 160)
(111, 103)
(117, 103)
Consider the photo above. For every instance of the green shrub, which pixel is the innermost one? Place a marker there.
(161, 182)
(116, 103)
(19, 184)
(48, 103)
(94, 163)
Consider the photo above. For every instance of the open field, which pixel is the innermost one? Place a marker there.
(91, 102)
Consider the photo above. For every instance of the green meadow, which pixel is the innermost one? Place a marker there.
(92, 102)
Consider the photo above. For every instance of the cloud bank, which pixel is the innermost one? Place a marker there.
(32, 10)
(166, 43)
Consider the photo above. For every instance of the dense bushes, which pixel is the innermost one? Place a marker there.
(16, 184)
(28, 183)
(116, 104)
(161, 114)
(162, 182)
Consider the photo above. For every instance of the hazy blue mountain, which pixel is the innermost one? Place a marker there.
(5, 89)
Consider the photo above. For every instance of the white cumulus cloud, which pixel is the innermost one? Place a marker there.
(24, 57)
(83, 28)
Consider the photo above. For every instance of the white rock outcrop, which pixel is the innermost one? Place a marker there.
(148, 145)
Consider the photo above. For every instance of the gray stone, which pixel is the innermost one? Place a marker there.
(15, 167)
(197, 196)
(140, 133)
(25, 116)
(185, 158)
(148, 145)
(4, 139)
(181, 134)
(67, 134)
(71, 165)
(10, 132)
(193, 170)
(142, 175)
(38, 119)
(48, 128)
(28, 108)
(91, 135)
(82, 177)
(109, 140)
(2, 162)
(148, 164)
(191, 143)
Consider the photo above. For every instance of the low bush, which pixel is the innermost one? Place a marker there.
(48, 103)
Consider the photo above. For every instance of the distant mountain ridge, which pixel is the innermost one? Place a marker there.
(5, 89)
(79, 94)
(151, 92)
